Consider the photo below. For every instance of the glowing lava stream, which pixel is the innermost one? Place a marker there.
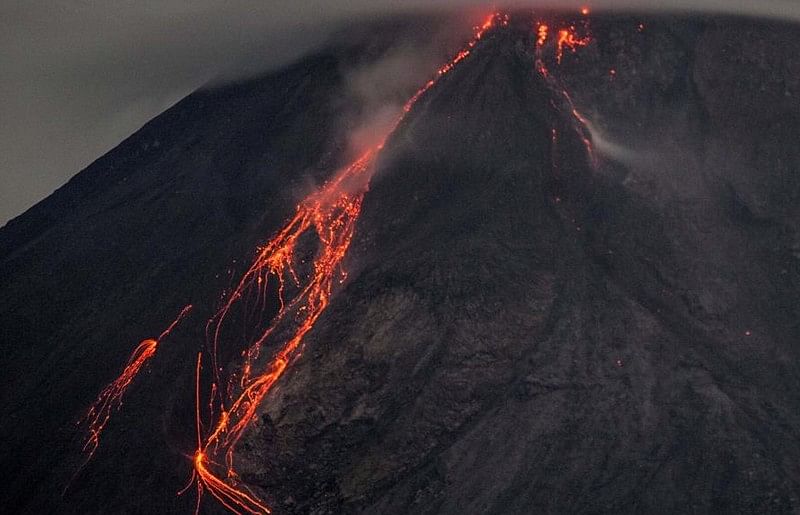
(110, 397)
(331, 214)
(566, 37)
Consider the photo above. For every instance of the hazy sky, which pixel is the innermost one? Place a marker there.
(78, 76)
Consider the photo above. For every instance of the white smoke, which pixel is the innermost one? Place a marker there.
(614, 150)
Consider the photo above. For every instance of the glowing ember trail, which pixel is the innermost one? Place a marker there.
(541, 32)
(566, 37)
(330, 214)
(110, 397)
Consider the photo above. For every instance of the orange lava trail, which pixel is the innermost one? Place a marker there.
(566, 37)
(542, 34)
(110, 397)
(330, 214)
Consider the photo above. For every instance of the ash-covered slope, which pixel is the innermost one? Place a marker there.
(522, 330)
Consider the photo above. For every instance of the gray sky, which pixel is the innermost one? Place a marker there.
(78, 76)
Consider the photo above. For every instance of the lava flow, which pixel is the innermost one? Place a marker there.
(110, 397)
(566, 37)
(330, 214)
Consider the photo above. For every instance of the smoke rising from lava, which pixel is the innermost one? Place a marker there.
(79, 77)
(378, 89)
(609, 148)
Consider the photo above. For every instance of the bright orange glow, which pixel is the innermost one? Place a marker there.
(566, 37)
(330, 215)
(444, 69)
(487, 24)
(585, 11)
(542, 34)
(110, 397)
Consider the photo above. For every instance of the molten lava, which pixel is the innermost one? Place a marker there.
(329, 216)
(110, 397)
(541, 32)
(566, 37)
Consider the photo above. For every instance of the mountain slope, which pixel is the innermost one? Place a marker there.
(526, 326)
(113, 256)
(522, 334)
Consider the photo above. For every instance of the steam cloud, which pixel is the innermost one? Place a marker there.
(78, 77)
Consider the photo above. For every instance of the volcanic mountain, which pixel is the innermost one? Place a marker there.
(502, 306)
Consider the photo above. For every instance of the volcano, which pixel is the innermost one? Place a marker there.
(566, 278)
